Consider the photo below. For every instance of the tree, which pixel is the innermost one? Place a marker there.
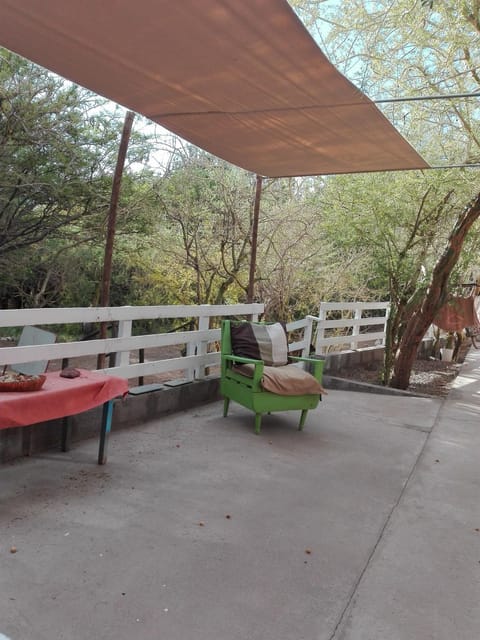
(299, 264)
(395, 50)
(58, 146)
(401, 223)
(436, 295)
(204, 227)
(47, 163)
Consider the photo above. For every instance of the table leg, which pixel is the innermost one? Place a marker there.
(65, 444)
(26, 444)
(106, 426)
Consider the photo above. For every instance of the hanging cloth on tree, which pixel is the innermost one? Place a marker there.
(457, 313)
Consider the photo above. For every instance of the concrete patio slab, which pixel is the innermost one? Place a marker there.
(423, 580)
(198, 528)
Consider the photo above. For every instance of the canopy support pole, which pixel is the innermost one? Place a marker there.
(112, 220)
(254, 240)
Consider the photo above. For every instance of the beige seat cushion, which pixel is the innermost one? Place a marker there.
(288, 380)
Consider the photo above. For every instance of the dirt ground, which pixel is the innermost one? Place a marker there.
(430, 377)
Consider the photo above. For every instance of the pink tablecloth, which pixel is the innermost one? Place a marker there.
(59, 397)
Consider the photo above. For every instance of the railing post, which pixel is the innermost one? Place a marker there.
(203, 325)
(322, 315)
(191, 372)
(124, 331)
(307, 336)
(356, 327)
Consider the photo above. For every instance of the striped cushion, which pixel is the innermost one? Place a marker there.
(267, 342)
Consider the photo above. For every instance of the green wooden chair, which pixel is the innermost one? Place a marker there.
(244, 379)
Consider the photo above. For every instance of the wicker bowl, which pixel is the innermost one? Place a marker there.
(20, 382)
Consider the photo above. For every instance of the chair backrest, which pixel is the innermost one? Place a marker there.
(32, 336)
(226, 339)
(265, 341)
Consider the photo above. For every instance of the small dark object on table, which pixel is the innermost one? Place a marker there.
(69, 372)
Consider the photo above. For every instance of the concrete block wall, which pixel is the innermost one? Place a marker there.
(135, 410)
(361, 357)
(132, 411)
(334, 362)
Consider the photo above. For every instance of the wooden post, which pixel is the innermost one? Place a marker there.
(253, 252)
(322, 315)
(112, 220)
(356, 327)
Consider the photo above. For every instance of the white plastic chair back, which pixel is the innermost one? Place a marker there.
(33, 336)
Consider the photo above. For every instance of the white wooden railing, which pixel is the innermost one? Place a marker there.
(201, 345)
(196, 342)
(352, 331)
(354, 328)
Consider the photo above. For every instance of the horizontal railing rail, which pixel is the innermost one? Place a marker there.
(355, 329)
(196, 343)
(323, 335)
(200, 346)
(71, 315)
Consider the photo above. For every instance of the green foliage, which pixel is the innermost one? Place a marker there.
(58, 147)
(48, 166)
(204, 227)
(402, 220)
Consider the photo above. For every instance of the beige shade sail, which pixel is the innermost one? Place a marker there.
(242, 79)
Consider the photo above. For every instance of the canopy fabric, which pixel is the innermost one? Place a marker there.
(242, 79)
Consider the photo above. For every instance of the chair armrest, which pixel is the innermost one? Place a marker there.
(241, 359)
(317, 365)
(258, 371)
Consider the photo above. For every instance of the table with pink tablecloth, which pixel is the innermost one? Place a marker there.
(61, 397)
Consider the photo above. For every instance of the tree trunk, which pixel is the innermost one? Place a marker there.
(112, 220)
(388, 350)
(435, 297)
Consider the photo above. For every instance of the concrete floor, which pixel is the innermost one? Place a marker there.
(366, 526)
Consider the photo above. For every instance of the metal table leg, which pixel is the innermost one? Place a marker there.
(106, 427)
(65, 441)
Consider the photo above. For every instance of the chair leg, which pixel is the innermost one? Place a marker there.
(226, 403)
(258, 423)
(303, 417)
